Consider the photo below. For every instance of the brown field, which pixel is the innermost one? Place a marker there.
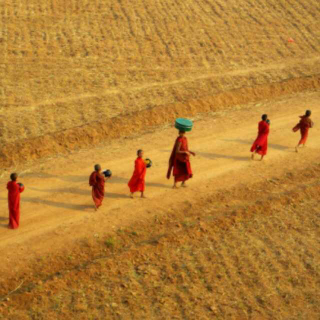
(68, 67)
(91, 81)
(242, 253)
(241, 242)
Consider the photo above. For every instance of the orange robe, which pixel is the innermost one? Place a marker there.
(180, 162)
(304, 125)
(260, 145)
(14, 190)
(96, 180)
(137, 181)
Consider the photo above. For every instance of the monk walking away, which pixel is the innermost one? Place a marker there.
(14, 190)
(97, 181)
(304, 125)
(179, 162)
(260, 145)
(137, 181)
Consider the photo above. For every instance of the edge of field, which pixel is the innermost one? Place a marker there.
(25, 150)
(132, 254)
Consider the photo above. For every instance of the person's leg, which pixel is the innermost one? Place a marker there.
(142, 194)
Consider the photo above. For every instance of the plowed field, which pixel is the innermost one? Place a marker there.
(68, 67)
(241, 242)
(107, 77)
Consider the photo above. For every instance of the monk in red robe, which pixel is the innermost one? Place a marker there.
(14, 190)
(179, 161)
(96, 181)
(304, 125)
(137, 181)
(260, 145)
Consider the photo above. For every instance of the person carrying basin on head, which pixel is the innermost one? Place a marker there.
(179, 162)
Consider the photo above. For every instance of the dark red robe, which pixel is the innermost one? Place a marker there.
(137, 181)
(14, 190)
(260, 145)
(96, 180)
(304, 125)
(180, 162)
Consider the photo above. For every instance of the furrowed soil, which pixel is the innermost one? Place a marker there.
(77, 72)
(85, 82)
(241, 242)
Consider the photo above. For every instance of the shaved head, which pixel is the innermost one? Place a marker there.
(13, 177)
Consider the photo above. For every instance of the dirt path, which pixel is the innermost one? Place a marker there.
(57, 208)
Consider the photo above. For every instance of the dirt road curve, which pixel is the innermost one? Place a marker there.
(57, 208)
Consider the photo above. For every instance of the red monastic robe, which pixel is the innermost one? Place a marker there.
(137, 181)
(304, 125)
(14, 190)
(180, 162)
(261, 143)
(96, 180)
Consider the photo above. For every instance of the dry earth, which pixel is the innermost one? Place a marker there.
(242, 242)
(85, 82)
(67, 68)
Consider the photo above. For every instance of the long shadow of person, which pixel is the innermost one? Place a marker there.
(125, 182)
(71, 206)
(63, 190)
(45, 175)
(116, 195)
(249, 142)
(214, 156)
(80, 192)
(5, 225)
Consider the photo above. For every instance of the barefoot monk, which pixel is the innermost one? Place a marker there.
(179, 163)
(260, 145)
(304, 125)
(14, 190)
(137, 181)
(96, 181)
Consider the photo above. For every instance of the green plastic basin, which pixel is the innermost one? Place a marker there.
(183, 124)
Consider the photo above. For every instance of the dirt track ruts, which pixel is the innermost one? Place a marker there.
(23, 150)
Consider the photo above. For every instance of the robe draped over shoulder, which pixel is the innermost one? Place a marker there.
(179, 163)
(96, 181)
(304, 125)
(14, 190)
(260, 145)
(137, 181)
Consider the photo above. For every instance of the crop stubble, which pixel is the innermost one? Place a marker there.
(249, 252)
(79, 63)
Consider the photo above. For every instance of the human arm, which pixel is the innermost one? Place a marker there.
(21, 187)
(188, 152)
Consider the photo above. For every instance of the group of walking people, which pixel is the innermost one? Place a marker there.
(179, 167)
(260, 145)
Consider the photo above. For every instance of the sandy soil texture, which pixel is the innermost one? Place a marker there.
(241, 242)
(68, 68)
